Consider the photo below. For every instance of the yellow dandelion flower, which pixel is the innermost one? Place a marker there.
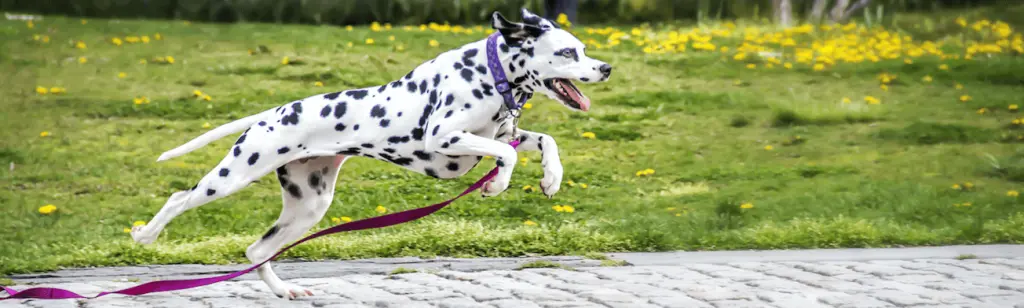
(670, 209)
(57, 90)
(391, 37)
(122, 75)
(529, 223)
(558, 208)
(145, 39)
(751, 66)
(943, 67)
(47, 209)
(961, 21)
(787, 65)
(968, 185)
(568, 209)
(82, 60)
(285, 61)
(956, 187)
(871, 100)
(207, 125)
(157, 36)
(747, 205)
(44, 134)
(369, 41)
(116, 41)
(908, 61)
(679, 214)
(142, 61)
(958, 86)
(207, 98)
(42, 90)
(318, 84)
(127, 230)
(197, 93)
(523, 161)
(335, 220)
(527, 106)
(982, 110)
(348, 28)
(1012, 107)
(966, 204)
(527, 187)
(846, 100)
(1012, 193)
(570, 183)
(169, 59)
(588, 135)
(349, 44)
(80, 45)
(138, 223)
(381, 209)
(30, 24)
(1015, 121)
(583, 185)
(965, 98)
(926, 78)
(346, 219)
(818, 67)
(434, 43)
(884, 87)
(768, 147)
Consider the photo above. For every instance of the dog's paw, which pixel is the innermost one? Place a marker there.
(140, 235)
(290, 291)
(493, 188)
(552, 179)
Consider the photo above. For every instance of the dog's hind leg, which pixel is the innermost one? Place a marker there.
(307, 187)
(244, 164)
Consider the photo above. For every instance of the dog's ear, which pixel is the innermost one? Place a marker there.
(532, 19)
(514, 32)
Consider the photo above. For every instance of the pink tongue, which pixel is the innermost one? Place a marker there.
(575, 96)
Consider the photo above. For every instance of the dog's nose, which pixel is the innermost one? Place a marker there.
(605, 69)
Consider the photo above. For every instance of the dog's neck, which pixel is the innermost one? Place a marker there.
(516, 60)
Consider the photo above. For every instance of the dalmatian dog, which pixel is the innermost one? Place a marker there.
(439, 120)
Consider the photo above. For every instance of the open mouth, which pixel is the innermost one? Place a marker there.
(568, 93)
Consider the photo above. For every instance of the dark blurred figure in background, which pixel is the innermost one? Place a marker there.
(554, 7)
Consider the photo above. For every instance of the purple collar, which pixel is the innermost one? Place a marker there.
(498, 72)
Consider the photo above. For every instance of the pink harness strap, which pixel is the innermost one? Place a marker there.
(181, 284)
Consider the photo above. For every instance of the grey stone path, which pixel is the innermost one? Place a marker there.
(903, 277)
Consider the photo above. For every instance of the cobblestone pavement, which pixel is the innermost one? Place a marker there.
(664, 280)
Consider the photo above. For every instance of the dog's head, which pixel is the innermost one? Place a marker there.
(554, 57)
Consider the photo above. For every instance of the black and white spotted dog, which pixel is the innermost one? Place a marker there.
(439, 120)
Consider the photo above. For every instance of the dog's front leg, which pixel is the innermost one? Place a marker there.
(460, 143)
(531, 141)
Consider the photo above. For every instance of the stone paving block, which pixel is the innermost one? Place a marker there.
(12, 304)
(435, 295)
(608, 296)
(571, 276)
(886, 270)
(569, 304)
(678, 273)
(544, 295)
(1017, 264)
(642, 290)
(60, 303)
(824, 269)
(778, 284)
(715, 293)
(1004, 301)
(901, 298)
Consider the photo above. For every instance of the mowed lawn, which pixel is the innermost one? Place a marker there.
(695, 149)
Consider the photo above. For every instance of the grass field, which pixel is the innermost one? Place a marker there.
(741, 150)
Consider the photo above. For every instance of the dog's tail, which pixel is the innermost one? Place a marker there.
(214, 134)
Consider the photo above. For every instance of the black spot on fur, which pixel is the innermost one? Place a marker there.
(325, 112)
(467, 74)
(584, 79)
(458, 66)
(389, 150)
(294, 191)
(448, 114)
(412, 87)
(469, 53)
(409, 75)
(522, 62)
(271, 232)
(399, 114)
(350, 151)
(504, 47)
(455, 139)
(367, 145)
(422, 155)
(339, 127)
(444, 145)
(253, 158)
(433, 97)
(430, 172)
(314, 179)
(434, 132)
(452, 166)
(467, 105)
(283, 150)
(423, 86)
(292, 118)
(224, 171)
(355, 127)
(238, 151)
(210, 192)
(240, 139)
(378, 111)
(437, 79)
(385, 123)
(481, 69)
(500, 163)
(356, 94)
(417, 133)
(332, 96)
(381, 88)
(449, 99)
(478, 94)
(528, 51)
(263, 123)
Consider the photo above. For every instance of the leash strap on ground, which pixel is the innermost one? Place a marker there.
(181, 284)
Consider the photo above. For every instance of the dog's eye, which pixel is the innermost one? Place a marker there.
(567, 53)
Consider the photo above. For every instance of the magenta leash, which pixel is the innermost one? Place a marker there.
(181, 284)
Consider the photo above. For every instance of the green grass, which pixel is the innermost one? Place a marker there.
(541, 264)
(402, 270)
(858, 175)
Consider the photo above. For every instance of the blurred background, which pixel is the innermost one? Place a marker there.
(348, 12)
